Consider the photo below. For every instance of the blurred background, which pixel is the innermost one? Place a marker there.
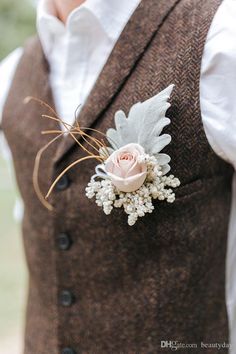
(17, 21)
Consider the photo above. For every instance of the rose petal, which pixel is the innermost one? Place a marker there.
(124, 168)
(129, 184)
(117, 171)
(126, 164)
(136, 168)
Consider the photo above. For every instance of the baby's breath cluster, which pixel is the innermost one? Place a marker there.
(136, 204)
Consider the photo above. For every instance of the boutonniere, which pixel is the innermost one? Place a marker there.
(132, 171)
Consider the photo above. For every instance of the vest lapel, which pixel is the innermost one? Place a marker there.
(134, 40)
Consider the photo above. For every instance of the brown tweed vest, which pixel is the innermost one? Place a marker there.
(98, 286)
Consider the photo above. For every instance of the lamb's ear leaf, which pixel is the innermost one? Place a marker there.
(113, 138)
(159, 143)
(165, 169)
(162, 159)
(144, 123)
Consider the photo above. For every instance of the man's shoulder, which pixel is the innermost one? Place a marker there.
(7, 70)
(9, 62)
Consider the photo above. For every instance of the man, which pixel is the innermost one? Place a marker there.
(96, 284)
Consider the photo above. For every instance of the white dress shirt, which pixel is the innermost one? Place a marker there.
(78, 50)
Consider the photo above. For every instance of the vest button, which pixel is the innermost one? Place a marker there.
(66, 298)
(68, 351)
(63, 183)
(64, 241)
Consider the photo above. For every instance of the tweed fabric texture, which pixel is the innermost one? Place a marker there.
(164, 278)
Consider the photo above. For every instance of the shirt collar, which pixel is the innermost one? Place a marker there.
(112, 15)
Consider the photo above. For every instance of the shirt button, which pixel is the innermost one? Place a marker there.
(68, 351)
(63, 183)
(64, 241)
(66, 298)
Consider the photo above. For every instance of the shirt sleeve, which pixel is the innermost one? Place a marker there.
(218, 108)
(7, 71)
(218, 83)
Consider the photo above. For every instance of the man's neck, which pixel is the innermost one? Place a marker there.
(63, 8)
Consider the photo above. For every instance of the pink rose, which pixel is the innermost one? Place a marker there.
(125, 169)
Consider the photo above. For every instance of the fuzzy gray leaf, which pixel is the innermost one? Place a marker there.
(144, 124)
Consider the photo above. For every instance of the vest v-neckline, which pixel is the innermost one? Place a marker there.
(145, 21)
